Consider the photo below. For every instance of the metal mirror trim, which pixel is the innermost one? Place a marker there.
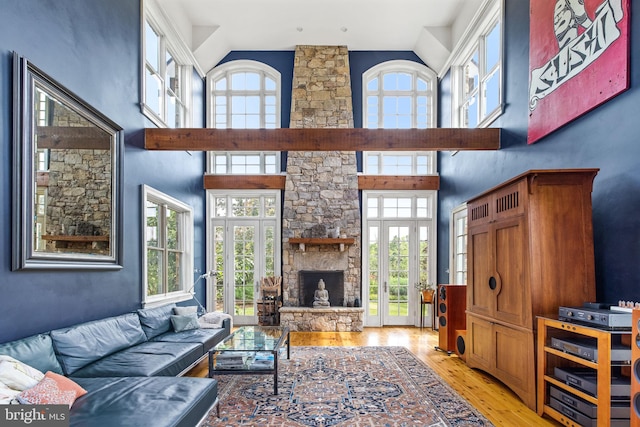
(67, 178)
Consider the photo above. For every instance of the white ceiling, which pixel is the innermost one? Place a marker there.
(213, 28)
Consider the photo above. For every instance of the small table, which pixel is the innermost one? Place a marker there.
(427, 298)
(250, 350)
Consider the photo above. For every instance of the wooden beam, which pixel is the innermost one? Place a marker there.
(387, 182)
(277, 182)
(354, 139)
(244, 182)
(68, 137)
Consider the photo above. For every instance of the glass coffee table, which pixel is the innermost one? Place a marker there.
(250, 350)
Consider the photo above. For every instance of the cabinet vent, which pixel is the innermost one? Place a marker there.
(479, 212)
(507, 202)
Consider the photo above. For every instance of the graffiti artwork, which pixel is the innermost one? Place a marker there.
(578, 59)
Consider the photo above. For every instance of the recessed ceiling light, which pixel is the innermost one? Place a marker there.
(344, 29)
(299, 29)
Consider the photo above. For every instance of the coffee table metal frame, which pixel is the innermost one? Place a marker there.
(238, 341)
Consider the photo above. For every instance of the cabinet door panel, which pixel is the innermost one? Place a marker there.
(514, 359)
(480, 299)
(480, 349)
(511, 260)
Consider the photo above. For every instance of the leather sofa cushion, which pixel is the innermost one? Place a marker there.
(139, 401)
(143, 360)
(35, 351)
(207, 338)
(157, 320)
(80, 345)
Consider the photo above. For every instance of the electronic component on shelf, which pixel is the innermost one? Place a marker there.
(586, 380)
(586, 413)
(587, 348)
(598, 317)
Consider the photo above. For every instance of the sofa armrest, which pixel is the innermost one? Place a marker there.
(226, 325)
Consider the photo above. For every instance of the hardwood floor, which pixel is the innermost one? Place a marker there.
(496, 402)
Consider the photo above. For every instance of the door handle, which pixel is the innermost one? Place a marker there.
(385, 287)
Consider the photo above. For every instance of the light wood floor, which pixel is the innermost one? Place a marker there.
(496, 402)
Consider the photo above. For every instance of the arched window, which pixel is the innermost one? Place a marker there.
(400, 95)
(244, 95)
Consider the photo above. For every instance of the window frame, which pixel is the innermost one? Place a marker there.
(416, 70)
(431, 155)
(489, 14)
(185, 223)
(170, 42)
(229, 155)
(227, 70)
(458, 212)
(243, 66)
(224, 275)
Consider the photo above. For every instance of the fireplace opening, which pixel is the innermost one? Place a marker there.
(333, 283)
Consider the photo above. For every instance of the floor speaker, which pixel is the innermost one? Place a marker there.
(635, 368)
(452, 304)
(461, 344)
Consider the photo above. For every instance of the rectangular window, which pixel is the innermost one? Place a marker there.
(399, 163)
(168, 248)
(458, 246)
(244, 163)
(167, 68)
(477, 71)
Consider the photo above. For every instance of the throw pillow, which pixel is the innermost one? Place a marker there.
(185, 322)
(17, 375)
(54, 389)
(155, 321)
(181, 311)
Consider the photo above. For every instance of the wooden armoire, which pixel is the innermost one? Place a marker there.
(530, 250)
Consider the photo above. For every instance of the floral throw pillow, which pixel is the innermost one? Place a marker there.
(54, 389)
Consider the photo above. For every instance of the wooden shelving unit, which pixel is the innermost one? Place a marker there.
(302, 242)
(550, 358)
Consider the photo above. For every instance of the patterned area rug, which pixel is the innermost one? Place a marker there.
(344, 386)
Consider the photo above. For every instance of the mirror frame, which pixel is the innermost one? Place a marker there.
(25, 78)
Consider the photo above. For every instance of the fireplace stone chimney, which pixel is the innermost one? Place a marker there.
(321, 187)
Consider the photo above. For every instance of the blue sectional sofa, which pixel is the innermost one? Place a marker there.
(131, 367)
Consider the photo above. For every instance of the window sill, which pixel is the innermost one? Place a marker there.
(157, 301)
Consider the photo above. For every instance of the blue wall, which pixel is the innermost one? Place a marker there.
(605, 138)
(92, 47)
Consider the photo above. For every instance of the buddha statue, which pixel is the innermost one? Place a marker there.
(321, 296)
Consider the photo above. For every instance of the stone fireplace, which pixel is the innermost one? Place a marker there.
(333, 281)
(321, 190)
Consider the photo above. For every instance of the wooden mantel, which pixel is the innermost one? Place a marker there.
(302, 242)
(315, 139)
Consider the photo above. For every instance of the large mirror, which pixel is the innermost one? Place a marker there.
(67, 167)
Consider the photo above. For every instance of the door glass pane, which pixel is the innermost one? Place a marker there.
(398, 271)
(374, 271)
(423, 256)
(269, 251)
(218, 259)
(244, 272)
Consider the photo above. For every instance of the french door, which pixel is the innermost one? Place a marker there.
(241, 251)
(399, 253)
